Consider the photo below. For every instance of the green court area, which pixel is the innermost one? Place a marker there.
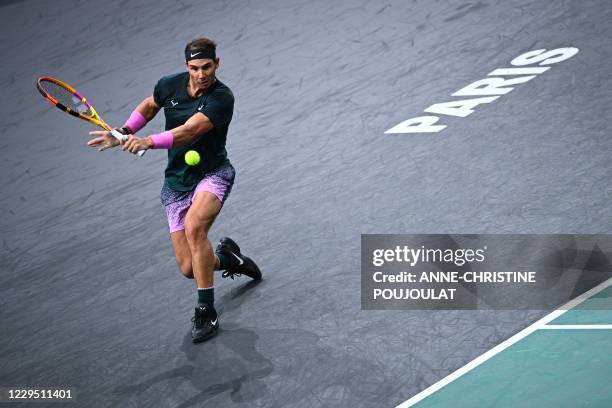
(563, 360)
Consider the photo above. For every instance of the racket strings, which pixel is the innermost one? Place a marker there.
(66, 98)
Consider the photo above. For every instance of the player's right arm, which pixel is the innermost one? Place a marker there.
(144, 112)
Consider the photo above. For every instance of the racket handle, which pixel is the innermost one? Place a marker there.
(121, 137)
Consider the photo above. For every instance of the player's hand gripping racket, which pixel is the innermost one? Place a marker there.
(67, 99)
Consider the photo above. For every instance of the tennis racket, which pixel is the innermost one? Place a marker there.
(66, 98)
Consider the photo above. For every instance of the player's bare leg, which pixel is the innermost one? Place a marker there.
(226, 248)
(182, 254)
(199, 219)
(190, 220)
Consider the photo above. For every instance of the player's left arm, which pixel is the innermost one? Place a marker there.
(217, 112)
(195, 126)
(182, 135)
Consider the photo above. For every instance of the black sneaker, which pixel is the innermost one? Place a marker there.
(239, 264)
(205, 323)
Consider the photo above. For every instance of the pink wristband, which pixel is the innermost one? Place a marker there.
(162, 140)
(135, 122)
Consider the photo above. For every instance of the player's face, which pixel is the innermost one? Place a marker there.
(202, 72)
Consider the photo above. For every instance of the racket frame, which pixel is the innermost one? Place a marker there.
(95, 118)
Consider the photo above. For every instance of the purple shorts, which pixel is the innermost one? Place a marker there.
(218, 181)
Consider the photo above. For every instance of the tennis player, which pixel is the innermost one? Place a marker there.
(198, 108)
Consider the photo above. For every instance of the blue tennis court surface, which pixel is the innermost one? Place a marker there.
(564, 362)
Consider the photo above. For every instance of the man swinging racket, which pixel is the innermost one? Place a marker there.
(198, 110)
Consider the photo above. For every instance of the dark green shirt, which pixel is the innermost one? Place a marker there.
(217, 104)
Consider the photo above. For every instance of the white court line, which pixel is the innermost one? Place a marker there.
(504, 345)
(577, 327)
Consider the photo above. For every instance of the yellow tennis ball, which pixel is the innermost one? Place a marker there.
(192, 158)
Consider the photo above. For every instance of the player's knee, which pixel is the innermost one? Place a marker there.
(186, 269)
(187, 272)
(195, 231)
